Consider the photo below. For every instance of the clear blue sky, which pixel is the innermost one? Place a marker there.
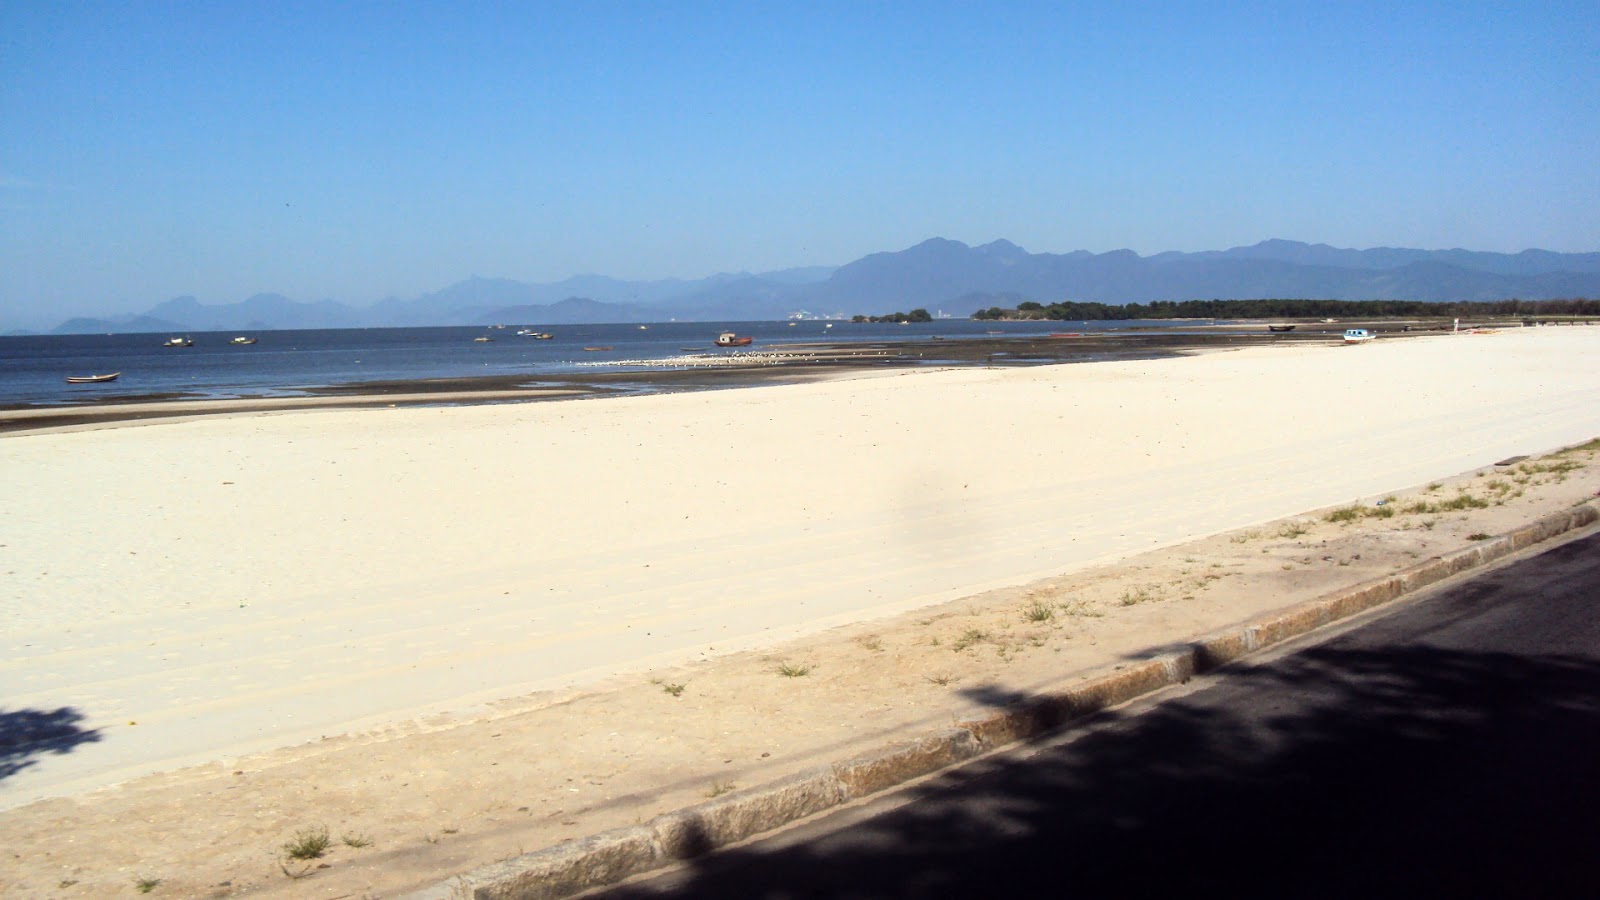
(359, 150)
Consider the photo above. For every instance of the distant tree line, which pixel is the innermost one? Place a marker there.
(1277, 309)
(916, 315)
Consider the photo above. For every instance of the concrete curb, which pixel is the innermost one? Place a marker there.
(613, 856)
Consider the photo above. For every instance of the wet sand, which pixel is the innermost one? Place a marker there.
(789, 363)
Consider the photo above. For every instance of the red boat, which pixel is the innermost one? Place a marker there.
(729, 339)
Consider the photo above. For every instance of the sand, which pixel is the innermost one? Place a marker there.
(469, 590)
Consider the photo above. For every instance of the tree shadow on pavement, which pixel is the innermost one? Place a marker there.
(1334, 772)
(26, 734)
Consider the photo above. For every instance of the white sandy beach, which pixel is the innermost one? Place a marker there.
(206, 588)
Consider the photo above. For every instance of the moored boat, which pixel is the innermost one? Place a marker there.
(729, 339)
(179, 342)
(92, 379)
(241, 340)
(1357, 336)
(1280, 328)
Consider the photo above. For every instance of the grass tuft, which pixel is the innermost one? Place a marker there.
(308, 843)
(794, 670)
(968, 638)
(146, 885)
(1038, 611)
(1137, 595)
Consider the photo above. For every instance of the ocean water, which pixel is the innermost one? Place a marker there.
(33, 369)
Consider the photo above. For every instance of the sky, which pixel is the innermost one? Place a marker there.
(355, 151)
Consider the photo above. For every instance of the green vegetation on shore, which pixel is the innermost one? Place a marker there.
(1274, 309)
(916, 315)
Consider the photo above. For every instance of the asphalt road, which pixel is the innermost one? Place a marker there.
(1451, 747)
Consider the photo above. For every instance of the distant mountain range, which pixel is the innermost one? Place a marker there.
(936, 274)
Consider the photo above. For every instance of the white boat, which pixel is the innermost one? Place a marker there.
(1357, 335)
(242, 340)
(179, 342)
(92, 379)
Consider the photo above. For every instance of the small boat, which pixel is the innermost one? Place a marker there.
(729, 339)
(92, 379)
(597, 349)
(1066, 334)
(1357, 336)
(179, 342)
(241, 340)
(1280, 328)
(482, 340)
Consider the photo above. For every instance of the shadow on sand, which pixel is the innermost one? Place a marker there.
(26, 734)
(1336, 772)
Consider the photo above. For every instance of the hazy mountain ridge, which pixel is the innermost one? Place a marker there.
(936, 274)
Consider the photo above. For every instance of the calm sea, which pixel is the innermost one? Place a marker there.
(33, 369)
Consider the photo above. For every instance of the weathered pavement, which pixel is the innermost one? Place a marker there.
(1451, 745)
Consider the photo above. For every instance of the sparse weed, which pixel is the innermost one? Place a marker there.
(1245, 536)
(1478, 536)
(940, 680)
(794, 670)
(673, 689)
(1344, 514)
(146, 885)
(308, 843)
(1459, 502)
(356, 840)
(718, 788)
(1137, 595)
(1292, 530)
(871, 642)
(1038, 611)
(968, 638)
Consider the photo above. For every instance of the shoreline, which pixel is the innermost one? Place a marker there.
(782, 364)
